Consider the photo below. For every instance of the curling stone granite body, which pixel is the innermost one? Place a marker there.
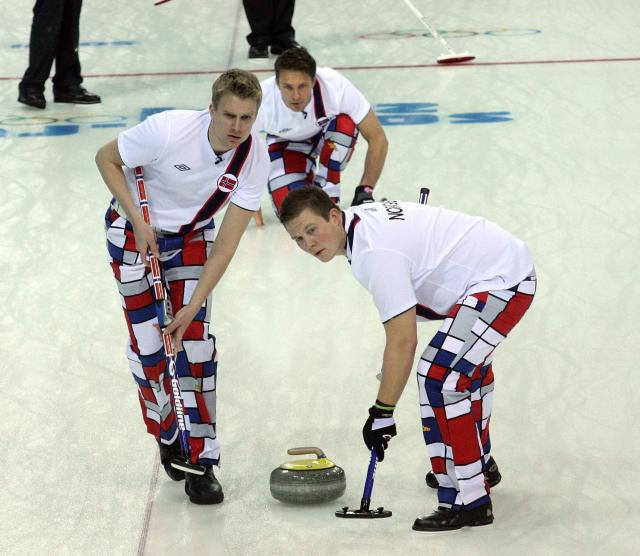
(308, 481)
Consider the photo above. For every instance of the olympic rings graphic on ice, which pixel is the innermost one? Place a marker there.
(78, 120)
(28, 120)
(449, 33)
(98, 119)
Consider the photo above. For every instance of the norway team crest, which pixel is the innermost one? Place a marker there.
(227, 183)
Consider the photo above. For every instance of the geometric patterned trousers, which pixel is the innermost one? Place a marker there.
(293, 163)
(196, 363)
(455, 384)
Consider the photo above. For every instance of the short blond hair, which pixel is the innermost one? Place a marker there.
(239, 83)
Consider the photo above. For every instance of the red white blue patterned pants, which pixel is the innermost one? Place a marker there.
(455, 382)
(183, 258)
(293, 163)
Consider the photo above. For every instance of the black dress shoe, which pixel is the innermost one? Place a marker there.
(258, 51)
(76, 95)
(203, 489)
(167, 453)
(446, 519)
(32, 98)
(279, 48)
(491, 473)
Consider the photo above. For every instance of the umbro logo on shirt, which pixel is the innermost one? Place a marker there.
(284, 130)
(181, 167)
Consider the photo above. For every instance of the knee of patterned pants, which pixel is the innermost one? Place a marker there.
(439, 387)
(335, 149)
(292, 167)
(451, 434)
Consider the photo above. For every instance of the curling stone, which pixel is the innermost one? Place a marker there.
(307, 481)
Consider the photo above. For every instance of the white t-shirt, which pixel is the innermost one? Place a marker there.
(339, 96)
(408, 254)
(186, 183)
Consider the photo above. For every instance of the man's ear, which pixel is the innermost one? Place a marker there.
(335, 215)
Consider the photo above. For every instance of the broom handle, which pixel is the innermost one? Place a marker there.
(429, 28)
(368, 483)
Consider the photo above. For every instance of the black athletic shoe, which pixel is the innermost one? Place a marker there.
(491, 473)
(258, 51)
(76, 95)
(167, 453)
(277, 49)
(32, 97)
(445, 519)
(203, 489)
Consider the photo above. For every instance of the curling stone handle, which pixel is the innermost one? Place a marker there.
(306, 450)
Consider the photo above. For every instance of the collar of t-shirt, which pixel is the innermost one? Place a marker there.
(349, 221)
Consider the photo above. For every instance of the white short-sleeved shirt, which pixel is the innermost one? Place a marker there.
(408, 254)
(338, 94)
(185, 181)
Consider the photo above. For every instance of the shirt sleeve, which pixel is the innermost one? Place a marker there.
(253, 176)
(259, 124)
(263, 117)
(387, 276)
(145, 142)
(352, 101)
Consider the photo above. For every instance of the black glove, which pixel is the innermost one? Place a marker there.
(379, 428)
(363, 194)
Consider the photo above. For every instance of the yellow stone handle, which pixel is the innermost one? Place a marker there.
(306, 450)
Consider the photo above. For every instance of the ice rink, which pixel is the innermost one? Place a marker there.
(539, 134)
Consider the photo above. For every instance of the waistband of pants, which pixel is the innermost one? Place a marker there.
(160, 234)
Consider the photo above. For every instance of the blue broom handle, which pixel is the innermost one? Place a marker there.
(368, 484)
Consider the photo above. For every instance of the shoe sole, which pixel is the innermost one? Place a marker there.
(37, 107)
(205, 500)
(436, 530)
(474, 524)
(77, 101)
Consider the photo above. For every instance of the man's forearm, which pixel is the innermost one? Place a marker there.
(224, 247)
(113, 177)
(399, 351)
(212, 272)
(396, 368)
(374, 161)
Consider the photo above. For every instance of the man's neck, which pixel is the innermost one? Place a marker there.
(218, 149)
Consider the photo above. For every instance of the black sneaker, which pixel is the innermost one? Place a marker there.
(76, 95)
(167, 453)
(203, 489)
(279, 48)
(491, 473)
(258, 51)
(446, 519)
(32, 97)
